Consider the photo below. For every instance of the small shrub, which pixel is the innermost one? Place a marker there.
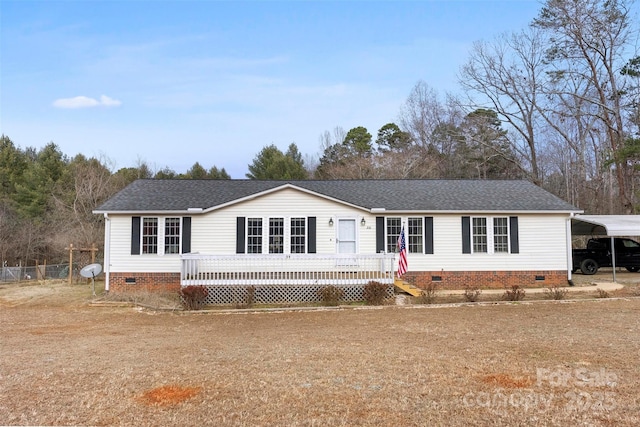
(193, 297)
(603, 294)
(556, 293)
(428, 294)
(516, 293)
(472, 293)
(330, 295)
(375, 293)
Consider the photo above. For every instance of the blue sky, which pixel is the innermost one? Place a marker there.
(175, 82)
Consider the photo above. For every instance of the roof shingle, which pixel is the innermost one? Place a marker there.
(392, 195)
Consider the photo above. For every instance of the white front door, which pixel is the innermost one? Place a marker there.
(346, 238)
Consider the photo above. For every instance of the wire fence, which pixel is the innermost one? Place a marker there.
(40, 272)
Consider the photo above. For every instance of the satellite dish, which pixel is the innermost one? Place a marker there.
(91, 271)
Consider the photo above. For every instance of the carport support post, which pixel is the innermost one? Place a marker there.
(569, 251)
(613, 257)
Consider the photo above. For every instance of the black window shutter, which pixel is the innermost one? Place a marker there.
(240, 234)
(513, 235)
(428, 235)
(186, 234)
(466, 235)
(380, 234)
(311, 239)
(135, 235)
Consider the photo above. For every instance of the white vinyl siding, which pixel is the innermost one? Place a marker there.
(120, 258)
(542, 246)
(215, 232)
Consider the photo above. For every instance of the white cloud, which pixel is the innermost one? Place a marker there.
(86, 102)
(109, 102)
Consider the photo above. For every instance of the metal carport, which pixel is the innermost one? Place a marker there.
(604, 225)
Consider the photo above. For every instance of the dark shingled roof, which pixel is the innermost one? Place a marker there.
(392, 195)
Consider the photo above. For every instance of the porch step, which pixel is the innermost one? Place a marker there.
(407, 287)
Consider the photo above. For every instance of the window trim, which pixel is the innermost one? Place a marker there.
(409, 235)
(388, 243)
(304, 236)
(404, 220)
(249, 237)
(487, 235)
(506, 236)
(145, 223)
(490, 234)
(177, 244)
(161, 223)
(286, 236)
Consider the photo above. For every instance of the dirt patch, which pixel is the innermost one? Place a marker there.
(169, 395)
(508, 381)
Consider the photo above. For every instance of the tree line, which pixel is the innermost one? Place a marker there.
(557, 103)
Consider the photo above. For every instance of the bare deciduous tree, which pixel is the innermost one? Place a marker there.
(507, 76)
(588, 42)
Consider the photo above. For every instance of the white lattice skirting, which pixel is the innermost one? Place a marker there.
(280, 294)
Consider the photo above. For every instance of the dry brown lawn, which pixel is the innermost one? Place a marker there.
(64, 362)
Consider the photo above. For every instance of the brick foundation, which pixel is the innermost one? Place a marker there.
(144, 282)
(170, 282)
(487, 279)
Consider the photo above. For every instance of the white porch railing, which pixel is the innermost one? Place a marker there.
(286, 269)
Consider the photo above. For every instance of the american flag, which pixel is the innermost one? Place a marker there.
(402, 248)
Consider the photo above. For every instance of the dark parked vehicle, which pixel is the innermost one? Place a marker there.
(598, 254)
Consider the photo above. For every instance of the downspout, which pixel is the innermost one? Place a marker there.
(613, 257)
(107, 251)
(569, 250)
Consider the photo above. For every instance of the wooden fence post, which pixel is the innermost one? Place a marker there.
(70, 263)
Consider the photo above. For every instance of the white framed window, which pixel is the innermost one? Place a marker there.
(280, 234)
(160, 235)
(172, 235)
(276, 235)
(149, 235)
(393, 228)
(254, 235)
(490, 235)
(414, 234)
(501, 234)
(479, 235)
(298, 240)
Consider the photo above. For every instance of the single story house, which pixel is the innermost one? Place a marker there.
(289, 238)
